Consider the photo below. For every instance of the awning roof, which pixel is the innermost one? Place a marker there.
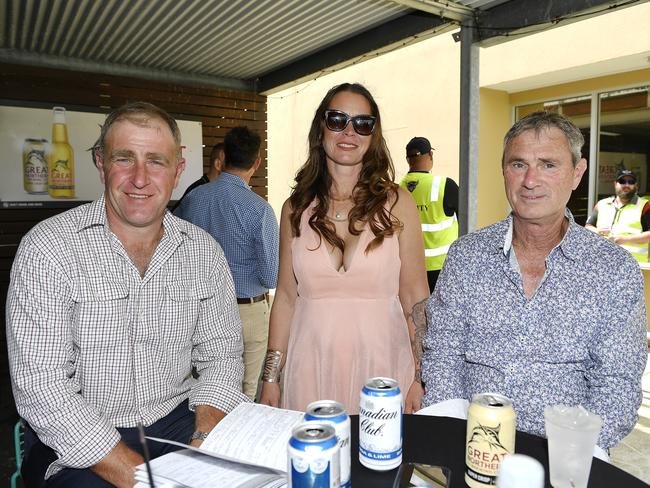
(248, 44)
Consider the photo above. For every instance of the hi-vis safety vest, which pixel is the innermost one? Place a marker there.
(438, 229)
(624, 221)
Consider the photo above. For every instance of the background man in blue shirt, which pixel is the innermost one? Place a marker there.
(217, 156)
(245, 226)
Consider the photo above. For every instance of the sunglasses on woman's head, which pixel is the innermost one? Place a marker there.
(337, 121)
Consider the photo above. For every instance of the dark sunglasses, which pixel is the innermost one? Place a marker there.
(337, 121)
(627, 181)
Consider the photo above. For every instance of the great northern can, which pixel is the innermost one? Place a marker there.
(35, 166)
(313, 456)
(380, 424)
(490, 437)
(331, 412)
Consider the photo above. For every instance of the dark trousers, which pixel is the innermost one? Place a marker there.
(177, 426)
(432, 278)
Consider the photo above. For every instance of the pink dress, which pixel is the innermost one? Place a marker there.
(347, 326)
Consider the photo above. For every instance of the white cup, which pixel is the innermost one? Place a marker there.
(520, 471)
(572, 433)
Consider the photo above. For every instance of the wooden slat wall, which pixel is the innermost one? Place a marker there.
(218, 110)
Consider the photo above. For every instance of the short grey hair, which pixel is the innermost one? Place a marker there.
(538, 121)
(138, 113)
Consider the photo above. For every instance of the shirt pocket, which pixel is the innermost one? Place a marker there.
(181, 308)
(100, 315)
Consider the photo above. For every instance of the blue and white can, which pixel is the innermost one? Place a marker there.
(313, 456)
(331, 412)
(380, 424)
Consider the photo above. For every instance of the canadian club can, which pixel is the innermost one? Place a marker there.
(490, 437)
(313, 456)
(380, 424)
(331, 412)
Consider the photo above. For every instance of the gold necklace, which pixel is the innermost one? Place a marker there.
(344, 199)
(338, 216)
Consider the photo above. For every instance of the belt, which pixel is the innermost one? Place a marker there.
(256, 299)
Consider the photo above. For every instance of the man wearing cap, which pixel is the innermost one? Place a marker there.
(625, 217)
(437, 200)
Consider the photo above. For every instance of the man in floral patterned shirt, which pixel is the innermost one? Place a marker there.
(536, 307)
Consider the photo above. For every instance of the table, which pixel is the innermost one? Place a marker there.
(441, 441)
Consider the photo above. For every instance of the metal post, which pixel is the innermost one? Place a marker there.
(469, 123)
(594, 141)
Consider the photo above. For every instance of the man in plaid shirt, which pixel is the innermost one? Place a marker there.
(111, 305)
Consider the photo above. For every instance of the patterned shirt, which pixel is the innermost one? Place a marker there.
(94, 346)
(580, 339)
(245, 226)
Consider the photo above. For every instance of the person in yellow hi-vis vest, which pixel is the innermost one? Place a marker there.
(625, 217)
(437, 200)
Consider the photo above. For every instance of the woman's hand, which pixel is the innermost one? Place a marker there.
(413, 401)
(270, 394)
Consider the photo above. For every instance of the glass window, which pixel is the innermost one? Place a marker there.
(624, 138)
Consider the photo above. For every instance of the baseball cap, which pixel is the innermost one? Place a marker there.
(418, 146)
(625, 172)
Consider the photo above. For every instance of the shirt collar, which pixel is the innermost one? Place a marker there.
(233, 179)
(567, 245)
(95, 214)
(633, 201)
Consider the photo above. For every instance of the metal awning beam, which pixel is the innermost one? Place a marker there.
(446, 9)
(13, 56)
(401, 28)
(524, 16)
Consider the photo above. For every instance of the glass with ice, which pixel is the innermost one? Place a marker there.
(572, 433)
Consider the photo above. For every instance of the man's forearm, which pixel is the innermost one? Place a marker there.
(642, 238)
(118, 467)
(206, 418)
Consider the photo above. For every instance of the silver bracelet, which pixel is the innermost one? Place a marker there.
(272, 366)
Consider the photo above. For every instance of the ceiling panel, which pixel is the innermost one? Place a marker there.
(234, 38)
(248, 44)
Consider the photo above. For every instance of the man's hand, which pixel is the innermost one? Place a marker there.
(413, 401)
(206, 417)
(619, 239)
(118, 467)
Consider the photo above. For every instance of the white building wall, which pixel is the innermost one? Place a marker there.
(416, 88)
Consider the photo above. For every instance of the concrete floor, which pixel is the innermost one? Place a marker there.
(633, 452)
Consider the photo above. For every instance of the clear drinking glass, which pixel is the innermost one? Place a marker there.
(572, 433)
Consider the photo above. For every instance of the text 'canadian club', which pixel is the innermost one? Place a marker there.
(380, 424)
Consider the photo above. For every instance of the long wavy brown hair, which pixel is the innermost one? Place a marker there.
(370, 195)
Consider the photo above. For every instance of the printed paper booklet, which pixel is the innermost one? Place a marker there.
(247, 449)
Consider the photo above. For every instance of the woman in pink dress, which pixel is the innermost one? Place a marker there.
(351, 267)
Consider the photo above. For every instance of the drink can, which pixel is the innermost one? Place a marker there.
(380, 424)
(331, 412)
(490, 437)
(313, 456)
(34, 166)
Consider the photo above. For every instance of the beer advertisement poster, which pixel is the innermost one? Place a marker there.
(47, 159)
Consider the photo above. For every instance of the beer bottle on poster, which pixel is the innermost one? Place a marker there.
(61, 160)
